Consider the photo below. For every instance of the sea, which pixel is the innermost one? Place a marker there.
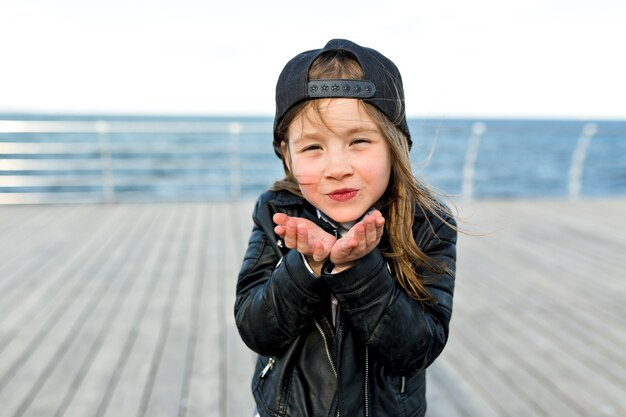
(182, 158)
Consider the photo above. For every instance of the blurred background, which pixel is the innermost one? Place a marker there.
(155, 101)
(135, 137)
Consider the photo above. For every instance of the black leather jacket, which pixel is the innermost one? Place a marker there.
(373, 361)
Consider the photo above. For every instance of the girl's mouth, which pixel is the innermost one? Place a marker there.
(343, 194)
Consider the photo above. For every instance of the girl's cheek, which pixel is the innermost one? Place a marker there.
(306, 179)
(306, 173)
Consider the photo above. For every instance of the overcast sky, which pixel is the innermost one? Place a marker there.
(458, 58)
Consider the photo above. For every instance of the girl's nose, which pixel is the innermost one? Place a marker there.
(338, 166)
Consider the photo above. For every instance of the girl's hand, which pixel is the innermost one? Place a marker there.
(306, 237)
(360, 240)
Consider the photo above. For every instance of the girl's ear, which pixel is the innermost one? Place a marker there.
(284, 149)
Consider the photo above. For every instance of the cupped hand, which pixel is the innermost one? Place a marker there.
(304, 236)
(360, 240)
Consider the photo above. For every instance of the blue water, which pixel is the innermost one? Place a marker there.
(522, 158)
(516, 159)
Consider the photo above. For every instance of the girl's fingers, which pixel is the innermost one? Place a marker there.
(302, 238)
(366, 233)
(290, 234)
(380, 228)
(280, 218)
(346, 252)
(361, 240)
(362, 236)
(280, 230)
(370, 231)
(318, 252)
(297, 237)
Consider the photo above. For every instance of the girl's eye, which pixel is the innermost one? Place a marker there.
(359, 140)
(311, 148)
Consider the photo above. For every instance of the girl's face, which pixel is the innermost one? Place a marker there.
(339, 158)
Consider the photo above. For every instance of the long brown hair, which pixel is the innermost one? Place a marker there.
(405, 192)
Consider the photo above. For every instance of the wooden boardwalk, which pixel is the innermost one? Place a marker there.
(126, 310)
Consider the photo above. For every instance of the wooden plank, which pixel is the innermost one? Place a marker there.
(512, 285)
(16, 220)
(44, 268)
(33, 358)
(26, 231)
(128, 377)
(203, 391)
(508, 353)
(162, 396)
(30, 317)
(239, 359)
(449, 396)
(68, 369)
(143, 355)
(100, 372)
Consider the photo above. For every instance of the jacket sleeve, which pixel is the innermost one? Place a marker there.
(406, 336)
(276, 297)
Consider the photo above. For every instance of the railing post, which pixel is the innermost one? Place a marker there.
(235, 161)
(574, 184)
(469, 170)
(108, 189)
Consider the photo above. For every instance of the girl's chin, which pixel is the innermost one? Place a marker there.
(343, 217)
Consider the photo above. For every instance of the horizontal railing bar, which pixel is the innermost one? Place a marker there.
(96, 181)
(119, 167)
(89, 181)
(7, 148)
(96, 198)
(30, 126)
(53, 197)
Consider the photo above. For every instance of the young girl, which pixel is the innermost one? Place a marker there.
(345, 290)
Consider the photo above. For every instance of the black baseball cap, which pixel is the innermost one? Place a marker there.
(381, 85)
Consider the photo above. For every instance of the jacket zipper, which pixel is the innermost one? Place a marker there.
(403, 385)
(367, 372)
(328, 355)
(268, 367)
(330, 358)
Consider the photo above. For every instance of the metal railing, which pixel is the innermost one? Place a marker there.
(579, 156)
(471, 155)
(84, 164)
